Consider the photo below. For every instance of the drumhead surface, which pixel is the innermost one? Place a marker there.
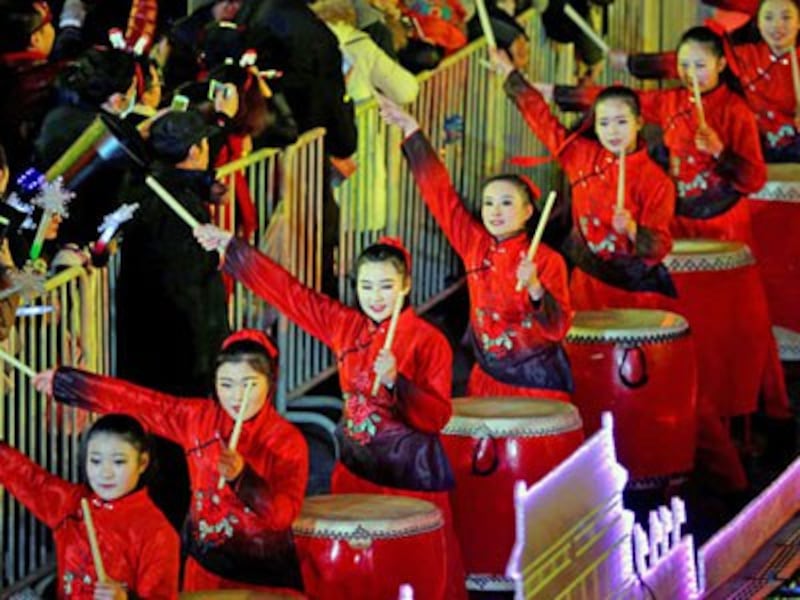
(511, 416)
(626, 325)
(368, 516)
(707, 255)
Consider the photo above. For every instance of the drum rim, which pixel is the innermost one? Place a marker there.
(738, 255)
(580, 334)
(365, 530)
(566, 420)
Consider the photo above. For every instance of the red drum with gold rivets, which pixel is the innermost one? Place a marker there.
(365, 546)
(492, 443)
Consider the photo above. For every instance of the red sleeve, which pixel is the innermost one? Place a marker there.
(168, 416)
(159, 566)
(423, 396)
(142, 21)
(48, 497)
(651, 102)
(742, 161)
(536, 112)
(459, 226)
(552, 318)
(318, 314)
(277, 496)
(653, 237)
(657, 65)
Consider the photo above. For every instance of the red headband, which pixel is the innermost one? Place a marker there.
(398, 245)
(252, 335)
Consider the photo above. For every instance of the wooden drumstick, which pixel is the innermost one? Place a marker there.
(387, 344)
(586, 28)
(237, 428)
(17, 364)
(698, 100)
(171, 201)
(621, 182)
(93, 545)
(486, 23)
(537, 236)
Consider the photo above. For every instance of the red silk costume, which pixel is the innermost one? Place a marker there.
(236, 532)
(593, 175)
(137, 544)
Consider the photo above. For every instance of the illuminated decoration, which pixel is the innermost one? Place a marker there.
(112, 222)
(576, 540)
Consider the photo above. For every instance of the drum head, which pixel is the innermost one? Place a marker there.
(707, 255)
(369, 516)
(638, 326)
(512, 416)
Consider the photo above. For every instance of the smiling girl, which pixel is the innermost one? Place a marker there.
(139, 549)
(390, 439)
(238, 535)
(515, 330)
(617, 252)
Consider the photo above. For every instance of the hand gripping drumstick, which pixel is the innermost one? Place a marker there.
(486, 24)
(537, 236)
(170, 201)
(621, 182)
(96, 557)
(387, 344)
(698, 101)
(586, 28)
(237, 428)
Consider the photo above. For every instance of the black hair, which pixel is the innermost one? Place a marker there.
(383, 253)
(621, 93)
(517, 181)
(253, 354)
(98, 74)
(128, 429)
(18, 21)
(715, 44)
(3, 158)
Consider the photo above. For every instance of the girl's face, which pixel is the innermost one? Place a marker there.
(234, 380)
(113, 465)
(505, 209)
(616, 125)
(377, 285)
(778, 23)
(707, 66)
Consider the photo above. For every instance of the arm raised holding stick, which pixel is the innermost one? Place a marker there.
(537, 236)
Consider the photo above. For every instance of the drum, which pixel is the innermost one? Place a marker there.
(365, 546)
(492, 443)
(775, 214)
(721, 295)
(638, 364)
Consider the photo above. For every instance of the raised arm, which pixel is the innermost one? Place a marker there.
(164, 415)
(49, 498)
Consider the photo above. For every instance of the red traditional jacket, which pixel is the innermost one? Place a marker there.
(391, 438)
(242, 531)
(766, 81)
(514, 339)
(138, 546)
(593, 174)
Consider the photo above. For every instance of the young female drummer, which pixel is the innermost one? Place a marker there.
(140, 552)
(519, 309)
(389, 439)
(238, 535)
(617, 249)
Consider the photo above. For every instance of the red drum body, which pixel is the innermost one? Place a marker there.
(721, 295)
(492, 443)
(775, 213)
(639, 365)
(365, 546)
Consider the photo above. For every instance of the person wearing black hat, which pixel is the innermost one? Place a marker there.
(170, 297)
